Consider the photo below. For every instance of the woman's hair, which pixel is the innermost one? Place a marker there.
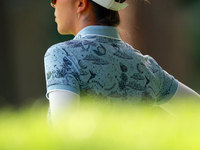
(106, 16)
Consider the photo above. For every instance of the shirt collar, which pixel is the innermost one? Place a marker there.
(104, 31)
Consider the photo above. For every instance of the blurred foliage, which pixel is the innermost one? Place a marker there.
(186, 2)
(192, 19)
(123, 128)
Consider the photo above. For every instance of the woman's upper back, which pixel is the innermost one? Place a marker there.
(99, 64)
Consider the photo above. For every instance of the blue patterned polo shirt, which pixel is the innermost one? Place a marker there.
(98, 64)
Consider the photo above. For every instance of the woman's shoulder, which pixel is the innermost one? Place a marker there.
(64, 47)
(66, 44)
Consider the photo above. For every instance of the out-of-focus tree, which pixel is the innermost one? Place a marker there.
(7, 86)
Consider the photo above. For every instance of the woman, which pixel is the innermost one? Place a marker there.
(97, 63)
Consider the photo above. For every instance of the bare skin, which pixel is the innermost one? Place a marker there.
(73, 15)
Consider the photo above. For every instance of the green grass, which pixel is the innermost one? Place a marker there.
(90, 128)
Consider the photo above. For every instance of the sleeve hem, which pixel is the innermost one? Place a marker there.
(61, 88)
(170, 96)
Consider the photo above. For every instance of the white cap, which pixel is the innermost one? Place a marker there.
(111, 4)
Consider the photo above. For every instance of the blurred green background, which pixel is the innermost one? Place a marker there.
(168, 30)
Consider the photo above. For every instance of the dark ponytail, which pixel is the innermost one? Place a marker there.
(105, 16)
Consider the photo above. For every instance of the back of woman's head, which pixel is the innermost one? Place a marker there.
(106, 16)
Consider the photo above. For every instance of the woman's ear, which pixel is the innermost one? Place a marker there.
(82, 5)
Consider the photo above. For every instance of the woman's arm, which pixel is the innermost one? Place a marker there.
(61, 103)
(184, 97)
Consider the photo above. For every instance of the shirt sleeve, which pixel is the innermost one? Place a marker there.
(166, 84)
(168, 89)
(61, 72)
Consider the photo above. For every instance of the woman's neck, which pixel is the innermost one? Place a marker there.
(86, 18)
